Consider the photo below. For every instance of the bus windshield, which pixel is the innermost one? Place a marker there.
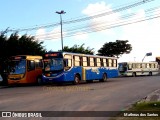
(54, 64)
(18, 67)
(122, 67)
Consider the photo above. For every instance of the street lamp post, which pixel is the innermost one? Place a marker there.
(60, 13)
(147, 54)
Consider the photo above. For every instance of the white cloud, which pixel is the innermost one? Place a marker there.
(40, 34)
(54, 35)
(95, 8)
(81, 36)
(144, 37)
(105, 15)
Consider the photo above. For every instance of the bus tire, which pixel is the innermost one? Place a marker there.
(76, 79)
(104, 78)
(39, 80)
(134, 74)
(150, 73)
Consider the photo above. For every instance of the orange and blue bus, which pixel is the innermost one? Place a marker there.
(72, 67)
(25, 69)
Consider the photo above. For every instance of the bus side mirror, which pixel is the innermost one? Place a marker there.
(65, 62)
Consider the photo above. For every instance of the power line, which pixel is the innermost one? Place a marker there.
(104, 25)
(111, 26)
(108, 27)
(85, 18)
(109, 12)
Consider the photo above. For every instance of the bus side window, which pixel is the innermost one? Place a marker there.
(143, 65)
(134, 65)
(38, 64)
(98, 62)
(109, 62)
(104, 62)
(77, 61)
(101, 60)
(114, 63)
(84, 59)
(129, 66)
(155, 66)
(67, 64)
(31, 65)
(151, 65)
(138, 65)
(91, 62)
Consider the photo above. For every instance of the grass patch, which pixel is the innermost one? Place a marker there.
(142, 111)
(146, 106)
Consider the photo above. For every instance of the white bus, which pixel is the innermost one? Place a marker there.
(138, 68)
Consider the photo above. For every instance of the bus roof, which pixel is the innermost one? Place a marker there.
(137, 62)
(29, 57)
(80, 54)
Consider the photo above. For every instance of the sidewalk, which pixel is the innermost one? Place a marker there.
(152, 97)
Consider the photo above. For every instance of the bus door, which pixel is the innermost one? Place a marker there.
(31, 74)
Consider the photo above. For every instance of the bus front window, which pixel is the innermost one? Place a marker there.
(18, 67)
(122, 68)
(54, 64)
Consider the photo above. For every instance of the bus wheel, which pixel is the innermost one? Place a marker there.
(104, 78)
(134, 74)
(76, 80)
(150, 73)
(39, 80)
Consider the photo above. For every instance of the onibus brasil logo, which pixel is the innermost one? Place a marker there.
(21, 114)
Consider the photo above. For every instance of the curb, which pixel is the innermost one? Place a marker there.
(1, 87)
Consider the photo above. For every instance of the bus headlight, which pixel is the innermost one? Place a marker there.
(48, 74)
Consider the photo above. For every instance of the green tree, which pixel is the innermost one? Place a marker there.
(16, 45)
(115, 49)
(79, 49)
(24, 45)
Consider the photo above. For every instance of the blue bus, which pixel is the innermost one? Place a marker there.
(62, 67)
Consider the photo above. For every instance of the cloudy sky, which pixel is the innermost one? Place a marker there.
(91, 22)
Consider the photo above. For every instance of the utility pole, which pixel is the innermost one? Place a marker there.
(60, 13)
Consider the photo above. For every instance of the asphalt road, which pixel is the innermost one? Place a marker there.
(114, 95)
